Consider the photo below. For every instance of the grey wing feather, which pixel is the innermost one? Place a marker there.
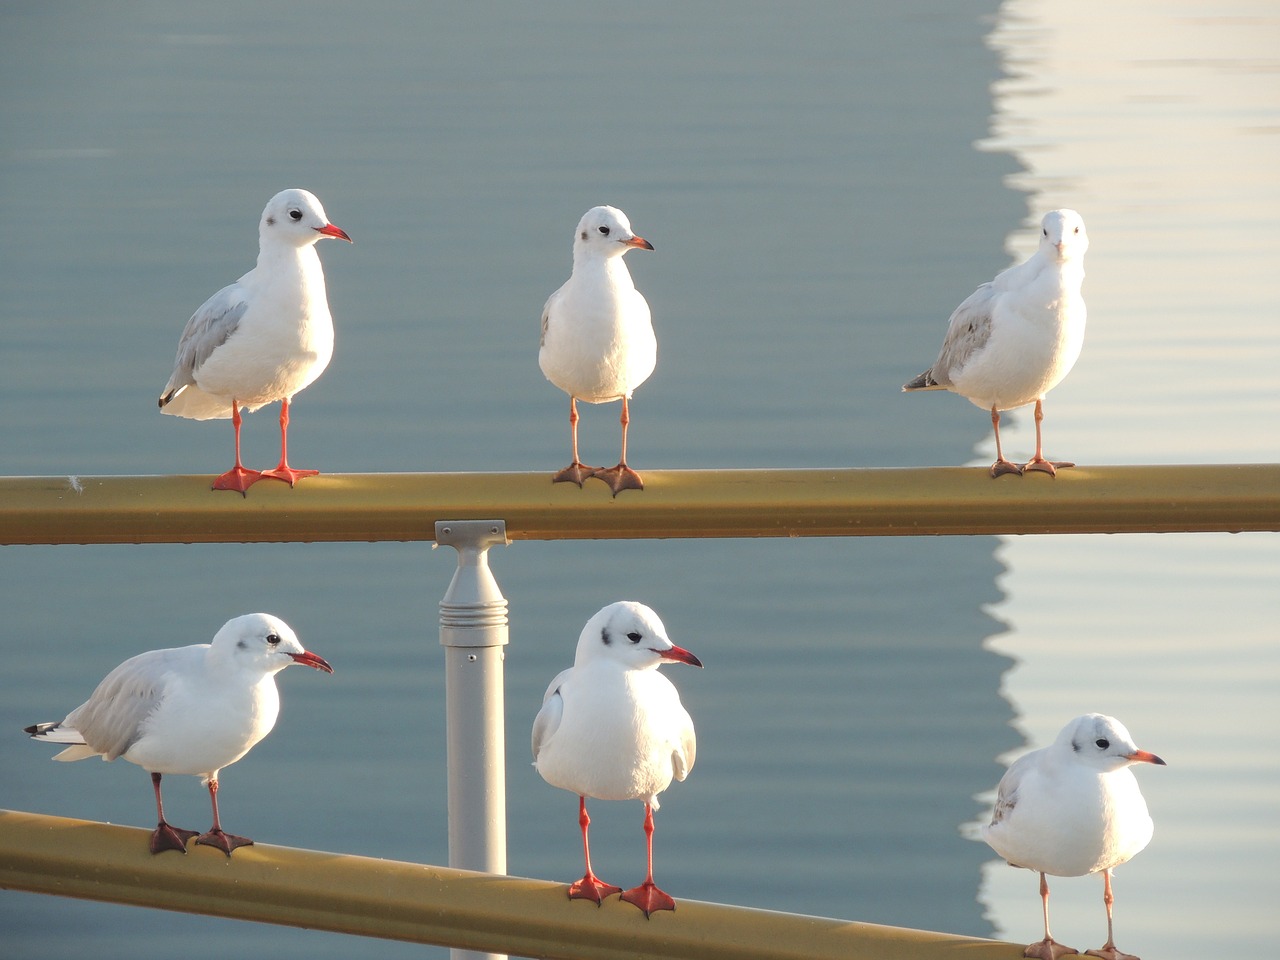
(208, 329)
(1007, 792)
(547, 721)
(111, 720)
(546, 315)
(967, 332)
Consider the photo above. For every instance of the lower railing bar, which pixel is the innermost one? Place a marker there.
(675, 503)
(427, 904)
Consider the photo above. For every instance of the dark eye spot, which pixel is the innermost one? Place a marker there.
(634, 637)
(272, 639)
(271, 221)
(1045, 231)
(604, 636)
(584, 234)
(1102, 743)
(604, 231)
(295, 215)
(1077, 230)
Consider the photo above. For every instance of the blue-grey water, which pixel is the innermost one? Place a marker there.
(822, 184)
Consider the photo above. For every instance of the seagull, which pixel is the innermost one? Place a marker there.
(262, 338)
(1016, 337)
(191, 710)
(612, 728)
(597, 337)
(1073, 808)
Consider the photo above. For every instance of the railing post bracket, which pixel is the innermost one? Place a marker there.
(473, 631)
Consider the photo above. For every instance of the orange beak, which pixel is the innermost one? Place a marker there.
(679, 653)
(329, 230)
(1141, 756)
(307, 657)
(639, 242)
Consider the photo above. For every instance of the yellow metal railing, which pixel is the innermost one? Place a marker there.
(426, 904)
(674, 503)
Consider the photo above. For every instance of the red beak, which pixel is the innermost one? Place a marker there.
(329, 230)
(639, 242)
(679, 653)
(310, 659)
(1142, 756)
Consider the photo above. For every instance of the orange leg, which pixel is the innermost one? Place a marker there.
(647, 896)
(237, 478)
(1048, 948)
(284, 471)
(167, 837)
(590, 887)
(1109, 951)
(1038, 462)
(226, 842)
(1001, 466)
(622, 477)
(577, 471)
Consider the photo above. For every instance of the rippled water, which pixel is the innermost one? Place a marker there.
(822, 185)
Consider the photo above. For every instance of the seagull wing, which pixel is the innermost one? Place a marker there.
(547, 721)
(1007, 791)
(547, 309)
(546, 315)
(967, 332)
(111, 720)
(209, 328)
(686, 749)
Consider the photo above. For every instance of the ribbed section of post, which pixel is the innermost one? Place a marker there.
(473, 631)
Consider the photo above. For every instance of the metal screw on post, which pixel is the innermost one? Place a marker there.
(473, 631)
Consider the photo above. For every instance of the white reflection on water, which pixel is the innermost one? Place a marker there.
(1161, 125)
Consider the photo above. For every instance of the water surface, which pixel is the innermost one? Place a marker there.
(821, 186)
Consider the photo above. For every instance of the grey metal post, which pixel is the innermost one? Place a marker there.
(473, 631)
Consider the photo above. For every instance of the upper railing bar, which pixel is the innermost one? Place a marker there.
(674, 504)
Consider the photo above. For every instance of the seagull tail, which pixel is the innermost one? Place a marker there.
(57, 733)
(923, 382)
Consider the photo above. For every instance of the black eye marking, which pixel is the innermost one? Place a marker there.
(635, 637)
(271, 221)
(1045, 232)
(1102, 743)
(295, 215)
(604, 635)
(241, 645)
(1077, 230)
(272, 639)
(604, 231)
(1075, 746)
(584, 234)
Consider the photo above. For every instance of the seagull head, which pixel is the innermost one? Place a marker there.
(1102, 742)
(295, 218)
(606, 232)
(263, 643)
(632, 635)
(1062, 235)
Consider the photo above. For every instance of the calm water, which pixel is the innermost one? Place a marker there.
(821, 188)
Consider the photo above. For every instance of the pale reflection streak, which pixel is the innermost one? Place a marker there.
(1161, 125)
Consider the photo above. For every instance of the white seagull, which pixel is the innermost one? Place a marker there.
(191, 710)
(612, 728)
(1073, 808)
(1016, 337)
(262, 338)
(597, 336)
